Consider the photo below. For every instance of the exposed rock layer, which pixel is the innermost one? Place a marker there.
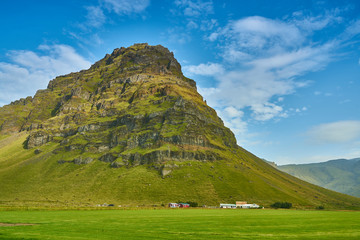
(132, 129)
(132, 107)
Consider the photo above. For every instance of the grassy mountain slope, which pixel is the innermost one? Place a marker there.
(132, 130)
(340, 175)
(39, 180)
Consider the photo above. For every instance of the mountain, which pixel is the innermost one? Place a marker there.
(132, 130)
(340, 175)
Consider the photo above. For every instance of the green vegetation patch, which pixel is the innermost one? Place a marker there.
(3, 136)
(181, 224)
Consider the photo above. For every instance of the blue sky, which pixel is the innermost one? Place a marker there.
(283, 75)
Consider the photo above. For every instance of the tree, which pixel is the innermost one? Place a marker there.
(281, 205)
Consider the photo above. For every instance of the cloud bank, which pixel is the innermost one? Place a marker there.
(28, 71)
(335, 132)
(208, 69)
(87, 31)
(263, 60)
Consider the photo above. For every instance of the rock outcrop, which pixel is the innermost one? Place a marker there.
(133, 130)
(133, 107)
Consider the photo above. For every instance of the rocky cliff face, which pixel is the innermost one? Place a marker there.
(131, 108)
(133, 130)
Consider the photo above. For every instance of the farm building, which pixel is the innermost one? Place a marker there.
(243, 204)
(173, 205)
(184, 205)
(226, 205)
(253, 205)
(240, 203)
(179, 205)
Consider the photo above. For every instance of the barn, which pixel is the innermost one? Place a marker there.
(226, 205)
(249, 206)
(240, 203)
(173, 205)
(184, 205)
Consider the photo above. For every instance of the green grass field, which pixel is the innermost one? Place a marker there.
(181, 224)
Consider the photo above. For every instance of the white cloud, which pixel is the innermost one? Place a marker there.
(237, 125)
(205, 92)
(232, 55)
(92, 39)
(276, 42)
(267, 111)
(252, 88)
(191, 15)
(345, 101)
(335, 132)
(265, 60)
(232, 118)
(195, 8)
(296, 62)
(257, 32)
(254, 35)
(58, 59)
(177, 35)
(353, 28)
(231, 115)
(315, 23)
(232, 112)
(192, 25)
(318, 93)
(213, 36)
(29, 71)
(208, 69)
(95, 16)
(98, 15)
(207, 25)
(126, 7)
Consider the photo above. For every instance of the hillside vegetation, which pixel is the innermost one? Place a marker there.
(340, 175)
(132, 130)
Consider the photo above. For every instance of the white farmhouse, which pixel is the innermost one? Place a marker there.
(253, 205)
(226, 205)
(242, 204)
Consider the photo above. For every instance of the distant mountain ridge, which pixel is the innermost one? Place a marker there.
(341, 175)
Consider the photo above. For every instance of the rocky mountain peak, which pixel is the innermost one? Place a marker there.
(142, 58)
(133, 107)
(133, 129)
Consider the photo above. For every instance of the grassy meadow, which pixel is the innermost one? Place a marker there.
(180, 224)
(38, 180)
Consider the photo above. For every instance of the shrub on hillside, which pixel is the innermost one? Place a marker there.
(281, 205)
(193, 204)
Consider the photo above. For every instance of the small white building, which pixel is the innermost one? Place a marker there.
(240, 203)
(173, 205)
(253, 205)
(226, 205)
